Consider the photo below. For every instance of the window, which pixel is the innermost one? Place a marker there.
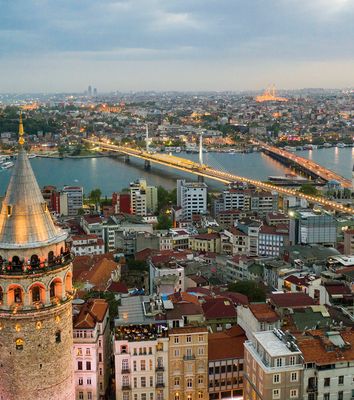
(276, 378)
(276, 393)
(88, 381)
(201, 338)
(99, 357)
(340, 395)
(125, 364)
(143, 381)
(125, 395)
(340, 380)
(89, 395)
(177, 381)
(292, 360)
(88, 352)
(143, 396)
(177, 396)
(176, 339)
(327, 381)
(57, 337)
(151, 381)
(293, 393)
(81, 381)
(189, 383)
(142, 365)
(278, 362)
(200, 379)
(176, 352)
(88, 365)
(19, 344)
(293, 377)
(189, 339)
(200, 395)
(326, 396)
(81, 395)
(200, 351)
(150, 365)
(79, 365)
(79, 352)
(135, 382)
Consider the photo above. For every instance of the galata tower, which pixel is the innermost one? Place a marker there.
(35, 294)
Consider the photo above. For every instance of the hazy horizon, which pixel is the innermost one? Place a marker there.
(176, 45)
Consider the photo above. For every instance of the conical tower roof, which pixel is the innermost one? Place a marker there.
(25, 221)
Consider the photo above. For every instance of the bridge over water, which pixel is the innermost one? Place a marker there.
(201, 169)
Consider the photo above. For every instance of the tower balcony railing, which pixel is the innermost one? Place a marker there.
(37, 267)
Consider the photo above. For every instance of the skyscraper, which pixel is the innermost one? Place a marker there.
(35, 294)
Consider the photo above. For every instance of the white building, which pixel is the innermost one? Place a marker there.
(74, 199)
(166, 278)
(92, 349)
(83, 245)
(192, 198)
(140, 350)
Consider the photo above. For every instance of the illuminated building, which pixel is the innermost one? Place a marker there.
(35, 294)
(270, 95)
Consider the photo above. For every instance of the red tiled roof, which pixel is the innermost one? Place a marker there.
(117, 287)
(207, 236)
(227, 344)
(340, 288)
(179, 297)
(219, 307)
(317, 348)
(90, 313)
(291, 299)
(263, 312)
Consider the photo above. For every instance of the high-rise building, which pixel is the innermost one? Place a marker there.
(89, 90)
(308, 227)
(35, 294)
(349, 242)
(75, 196)
(192, 198)
(143, 198)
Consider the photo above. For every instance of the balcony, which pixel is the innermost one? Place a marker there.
(126, 386)
(160, 368)
(33, 268)
(189, 357)
(160, 385)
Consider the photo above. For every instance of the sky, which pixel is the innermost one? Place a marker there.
(66, 45)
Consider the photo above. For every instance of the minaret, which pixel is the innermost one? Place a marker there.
(35, 294)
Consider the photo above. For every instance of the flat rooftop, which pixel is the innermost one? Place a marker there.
(272, 344)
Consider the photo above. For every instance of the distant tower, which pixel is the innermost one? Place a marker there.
(95, 91)
(35, 294)
(89, 90)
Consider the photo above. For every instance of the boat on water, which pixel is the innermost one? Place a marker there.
(289, 148)
(7, 165)
(327, 145)
(32, 155)
(341, 145)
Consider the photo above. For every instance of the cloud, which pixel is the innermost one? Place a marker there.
(222, 34)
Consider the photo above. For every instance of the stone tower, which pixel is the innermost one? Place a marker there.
(35, 294)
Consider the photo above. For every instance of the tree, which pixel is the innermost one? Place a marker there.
(251, 289)
(95, 195)
(309, 189)
(163, 222)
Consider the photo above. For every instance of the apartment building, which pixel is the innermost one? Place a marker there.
(192, 198)
(141, 362)
(188, 363)
(92, 349)
(272, 239)
(83, 245)
(75, 196)
(329, 364)
(273, 367)
(349, 242)
(225, 358)
(143, 198)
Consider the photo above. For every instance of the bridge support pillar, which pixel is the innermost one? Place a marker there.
(147, 165)
(126, 158)
(200, 178)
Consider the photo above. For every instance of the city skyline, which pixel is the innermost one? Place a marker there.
(155, 45)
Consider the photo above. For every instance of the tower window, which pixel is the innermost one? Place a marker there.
(9, 211)
(36, 294)
(57, 337)
(19, 344)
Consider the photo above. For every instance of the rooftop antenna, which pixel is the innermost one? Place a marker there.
(147, 137)
(201, 149)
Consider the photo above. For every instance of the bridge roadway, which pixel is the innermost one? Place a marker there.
(192, 167)
(311, 166)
